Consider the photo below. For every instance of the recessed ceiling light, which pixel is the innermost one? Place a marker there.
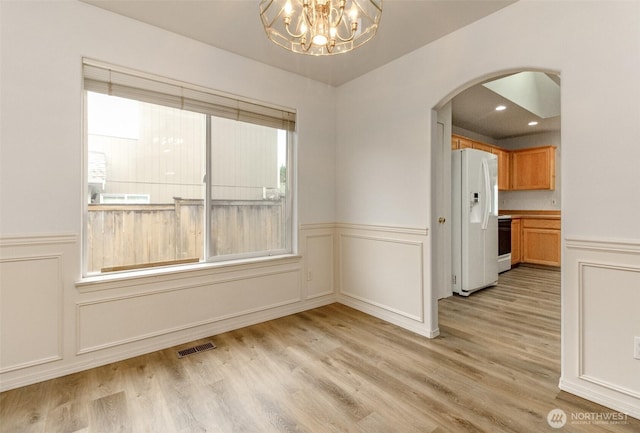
(533, 123)
(501, 108)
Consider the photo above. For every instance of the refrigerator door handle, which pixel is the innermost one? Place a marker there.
(487, 194)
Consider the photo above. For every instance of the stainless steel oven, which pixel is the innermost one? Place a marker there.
(504, 243)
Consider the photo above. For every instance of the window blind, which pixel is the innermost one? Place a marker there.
(102, 78)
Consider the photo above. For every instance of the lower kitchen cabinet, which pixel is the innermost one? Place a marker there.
(541, 241)
(516, 241)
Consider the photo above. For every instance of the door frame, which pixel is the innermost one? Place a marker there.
(441, 202)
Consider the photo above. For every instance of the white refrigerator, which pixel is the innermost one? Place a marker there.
(474, 230)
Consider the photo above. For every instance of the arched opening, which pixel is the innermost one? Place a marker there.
(474, 112)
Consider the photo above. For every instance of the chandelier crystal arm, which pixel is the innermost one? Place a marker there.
(354, 30)
(340, 12)
(308, 13)
(353, 15)
(349, 39)
(305, 46)
(293, 35)
(288, 10)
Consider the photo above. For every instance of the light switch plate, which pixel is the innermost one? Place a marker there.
(636, 347)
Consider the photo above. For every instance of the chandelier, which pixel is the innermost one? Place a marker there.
(320, 27)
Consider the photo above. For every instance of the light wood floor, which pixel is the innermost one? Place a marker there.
(495, 368)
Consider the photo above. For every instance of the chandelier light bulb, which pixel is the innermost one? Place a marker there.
(319, 39)
(353, 13)
(320, 31)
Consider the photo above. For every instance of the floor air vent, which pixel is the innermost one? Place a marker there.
(195, 349)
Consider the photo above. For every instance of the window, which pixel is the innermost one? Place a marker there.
(179, 174)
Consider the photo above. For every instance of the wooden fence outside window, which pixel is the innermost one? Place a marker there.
(141, 235)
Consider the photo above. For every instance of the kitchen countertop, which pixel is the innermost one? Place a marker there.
(538, 214)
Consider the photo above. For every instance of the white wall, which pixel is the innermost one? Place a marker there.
(383, 139)
(42, 197)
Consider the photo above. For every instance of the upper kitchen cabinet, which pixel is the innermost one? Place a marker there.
(481, 146)
(460, 142)
(504, 168)
(533, 168)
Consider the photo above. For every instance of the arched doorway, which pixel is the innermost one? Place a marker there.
(471, 111)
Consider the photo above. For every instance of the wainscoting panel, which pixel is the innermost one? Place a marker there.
(31, 300)
(601, 301)
(610, 316)
(381, 269)
(318, 245)
(124, 319)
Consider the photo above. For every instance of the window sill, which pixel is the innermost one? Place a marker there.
(129, 278)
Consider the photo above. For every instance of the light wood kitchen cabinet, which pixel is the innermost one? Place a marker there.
(524, 169)
(504, 168)
(541, 241)
(533, 168)
(460, 142)
(481, 146)
(516, 241)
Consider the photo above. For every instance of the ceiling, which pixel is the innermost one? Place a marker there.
(234, 25)
(474, 109)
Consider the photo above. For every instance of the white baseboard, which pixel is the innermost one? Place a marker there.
(603, 398)
(388, 316)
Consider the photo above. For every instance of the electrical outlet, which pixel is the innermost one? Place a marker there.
(636, 347)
